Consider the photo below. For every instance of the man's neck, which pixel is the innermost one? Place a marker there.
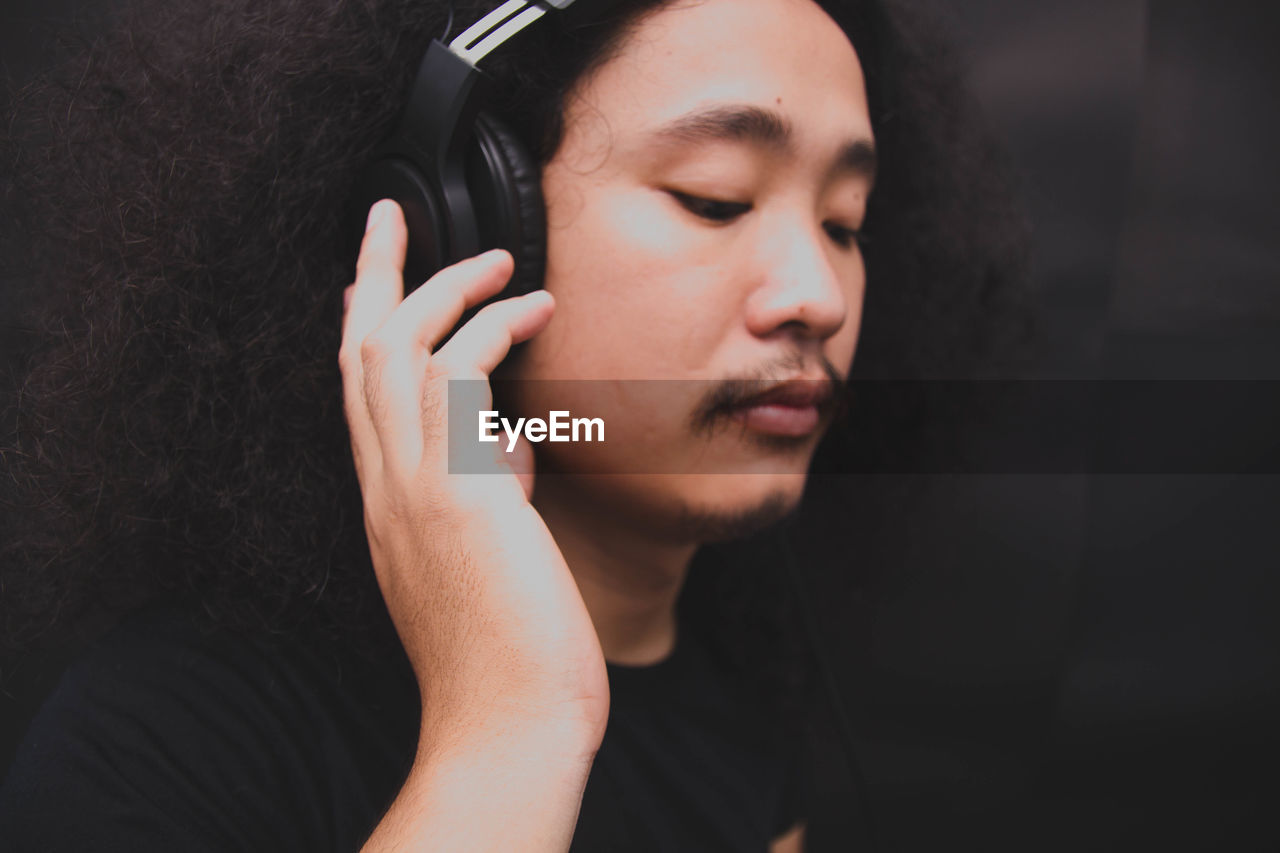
(629, 581)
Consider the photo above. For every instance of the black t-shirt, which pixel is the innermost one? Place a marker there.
(164, 737)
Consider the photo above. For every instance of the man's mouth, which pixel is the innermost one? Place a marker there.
(794, 409)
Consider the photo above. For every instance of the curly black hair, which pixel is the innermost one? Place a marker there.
(177, 194)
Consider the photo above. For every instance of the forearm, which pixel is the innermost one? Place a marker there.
(518, 789)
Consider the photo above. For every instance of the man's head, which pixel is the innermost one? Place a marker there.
(703, 211)
(182, 182)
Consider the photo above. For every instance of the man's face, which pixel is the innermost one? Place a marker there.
(700, 216)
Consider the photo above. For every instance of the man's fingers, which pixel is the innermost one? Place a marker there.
(377, 290)
(387, 338)
(432, 310)
(379, 285)
(479, 346)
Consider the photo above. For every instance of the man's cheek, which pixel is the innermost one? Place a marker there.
(642, 224)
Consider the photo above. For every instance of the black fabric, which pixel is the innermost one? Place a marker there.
(165, 738)
(686, 741)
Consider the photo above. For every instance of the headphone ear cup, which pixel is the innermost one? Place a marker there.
(400, 179)
(506, 189)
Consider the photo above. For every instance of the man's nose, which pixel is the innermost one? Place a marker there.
(798, 285)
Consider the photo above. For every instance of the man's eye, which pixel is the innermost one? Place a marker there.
(845, 238)
(709, 208)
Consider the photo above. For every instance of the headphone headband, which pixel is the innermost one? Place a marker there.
(465, 182)
(495, 28)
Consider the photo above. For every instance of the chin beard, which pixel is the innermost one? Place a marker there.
(698, 524)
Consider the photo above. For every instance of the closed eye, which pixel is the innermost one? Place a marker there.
(844, 237)
(713, 210)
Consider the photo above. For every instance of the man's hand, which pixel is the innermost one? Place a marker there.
(507, 661)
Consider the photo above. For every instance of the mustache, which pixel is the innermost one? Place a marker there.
(735, 393)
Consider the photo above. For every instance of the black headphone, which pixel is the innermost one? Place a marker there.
(465, 182)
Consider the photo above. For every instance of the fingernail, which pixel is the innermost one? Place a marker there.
(376, 214)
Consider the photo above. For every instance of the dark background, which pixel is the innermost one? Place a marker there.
(1093, 662)
(1067, 662)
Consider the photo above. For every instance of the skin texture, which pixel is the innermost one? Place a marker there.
(509, 631)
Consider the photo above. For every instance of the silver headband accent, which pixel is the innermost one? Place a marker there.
(517, 14)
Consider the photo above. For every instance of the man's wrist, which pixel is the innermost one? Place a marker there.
(508, 788)
(565, 744)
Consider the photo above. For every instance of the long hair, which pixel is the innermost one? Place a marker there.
(177, 191)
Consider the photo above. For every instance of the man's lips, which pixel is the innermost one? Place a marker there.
(794, 408)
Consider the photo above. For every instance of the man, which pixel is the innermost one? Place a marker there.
(710, 172)
(714, 237)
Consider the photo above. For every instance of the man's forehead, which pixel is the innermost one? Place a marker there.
(777, 74)
(763, 127)
(745, 35)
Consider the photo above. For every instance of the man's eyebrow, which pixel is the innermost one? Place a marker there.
(858, 157)
(759, 126)
(745, 123)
